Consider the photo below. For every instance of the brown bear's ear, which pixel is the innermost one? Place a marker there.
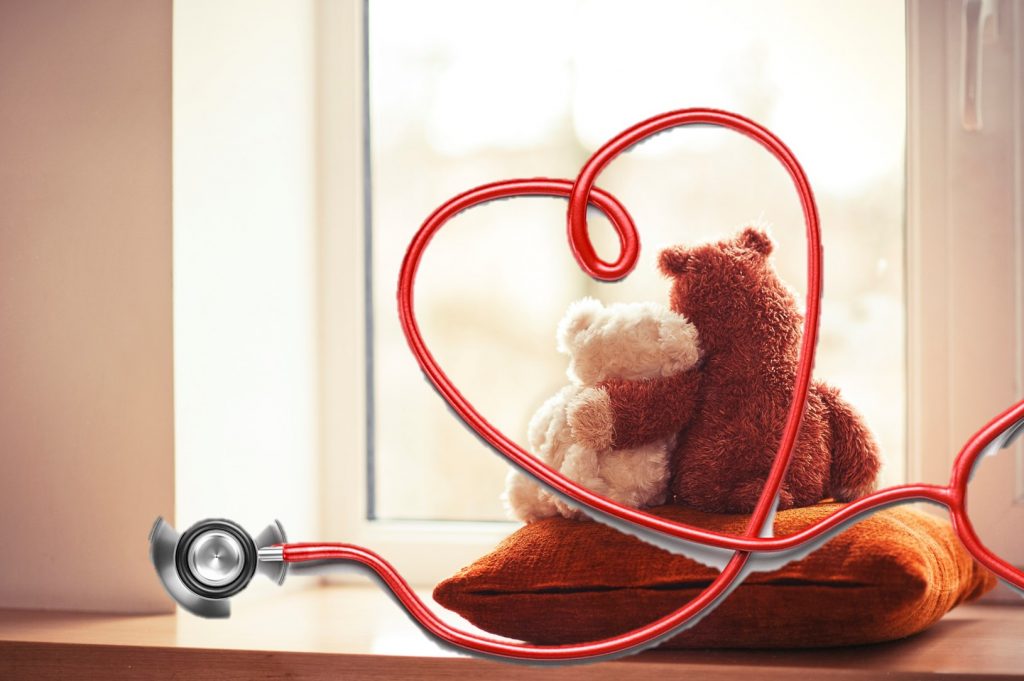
(755, 240)
(672, 261)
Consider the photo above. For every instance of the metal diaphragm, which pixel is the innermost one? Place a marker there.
(215, 558)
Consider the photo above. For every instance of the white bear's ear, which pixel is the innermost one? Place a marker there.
(577, 319)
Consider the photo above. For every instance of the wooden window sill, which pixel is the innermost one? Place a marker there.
(358, 633)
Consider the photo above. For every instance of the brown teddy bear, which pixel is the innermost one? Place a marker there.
(750, 331)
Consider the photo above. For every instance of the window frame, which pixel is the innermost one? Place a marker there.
(953, 248)
(427, 551)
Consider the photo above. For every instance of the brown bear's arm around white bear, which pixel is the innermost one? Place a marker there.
(621, 414)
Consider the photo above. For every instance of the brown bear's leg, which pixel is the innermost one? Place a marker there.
(743, 497)
(855, 459)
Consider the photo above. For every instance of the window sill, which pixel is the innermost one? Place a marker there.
(357, 633)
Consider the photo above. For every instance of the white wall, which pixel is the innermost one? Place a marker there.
(86, 434)
(245, 263)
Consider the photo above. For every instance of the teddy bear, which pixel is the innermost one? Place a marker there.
(750, 330)
(626, 341)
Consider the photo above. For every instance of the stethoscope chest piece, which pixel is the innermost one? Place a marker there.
(212, 561)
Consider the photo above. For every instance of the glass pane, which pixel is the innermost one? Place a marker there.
(460, 95)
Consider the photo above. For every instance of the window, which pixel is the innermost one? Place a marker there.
(475, 99)
(363, 110)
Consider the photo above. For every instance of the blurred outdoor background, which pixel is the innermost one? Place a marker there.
(532, 91)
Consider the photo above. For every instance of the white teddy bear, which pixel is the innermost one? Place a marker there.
(622, 341)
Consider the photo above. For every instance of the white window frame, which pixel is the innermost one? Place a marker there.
(965, 252)
(425, 551)
(939, 416)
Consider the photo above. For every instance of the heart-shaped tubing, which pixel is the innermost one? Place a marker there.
(583, 250)
(582, 192)
(623, 644)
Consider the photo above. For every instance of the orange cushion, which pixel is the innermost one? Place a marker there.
(563, 581)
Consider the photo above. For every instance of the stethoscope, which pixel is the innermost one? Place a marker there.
(216, 559)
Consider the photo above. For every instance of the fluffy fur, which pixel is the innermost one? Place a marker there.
(632, 342)
(750, 330)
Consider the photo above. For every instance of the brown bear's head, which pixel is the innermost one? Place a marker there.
(729, 289)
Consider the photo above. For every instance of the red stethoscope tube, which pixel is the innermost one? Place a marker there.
(632, 641)
(581, 193)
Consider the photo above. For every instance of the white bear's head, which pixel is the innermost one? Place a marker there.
(625, 340)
